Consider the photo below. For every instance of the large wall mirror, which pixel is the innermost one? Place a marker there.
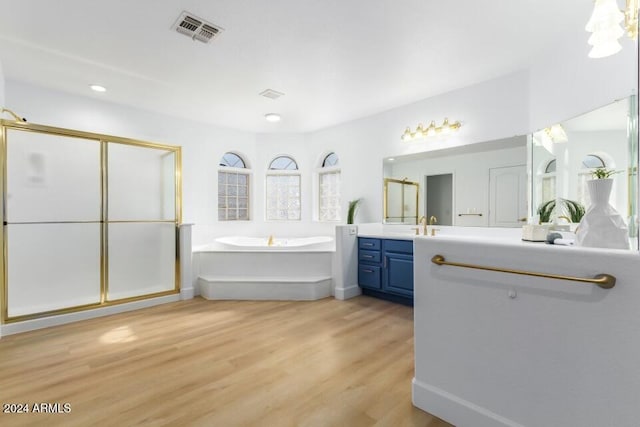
(564, 155)
(481, 184)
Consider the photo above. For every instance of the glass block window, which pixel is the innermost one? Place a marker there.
(233, 189)
(329, 189)
(283, 190)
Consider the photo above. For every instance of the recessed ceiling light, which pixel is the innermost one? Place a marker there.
(98, 88)
(272, 117)
(391, 159)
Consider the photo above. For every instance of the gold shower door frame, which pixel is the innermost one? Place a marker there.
(104, 141)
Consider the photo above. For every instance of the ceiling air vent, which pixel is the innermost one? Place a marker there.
(271, 94)
(196, 28)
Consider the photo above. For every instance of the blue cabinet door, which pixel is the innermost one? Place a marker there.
(398, 274)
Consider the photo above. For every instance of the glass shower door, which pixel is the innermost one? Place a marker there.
(141, 221)
(52, 222)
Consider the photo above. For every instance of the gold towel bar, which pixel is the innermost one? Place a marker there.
(605, 281)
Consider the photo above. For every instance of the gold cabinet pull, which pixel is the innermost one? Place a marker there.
(605, 281)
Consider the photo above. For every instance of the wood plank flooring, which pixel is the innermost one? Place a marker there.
(220, 363)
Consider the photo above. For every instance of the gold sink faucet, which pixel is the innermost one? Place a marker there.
(270, 241)
(433, 220)
(423, 223)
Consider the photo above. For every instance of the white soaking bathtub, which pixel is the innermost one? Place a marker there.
(294, 243)
(247, 268)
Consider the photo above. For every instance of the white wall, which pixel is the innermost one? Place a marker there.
(495, 349)
(488, 111)
(568, 83)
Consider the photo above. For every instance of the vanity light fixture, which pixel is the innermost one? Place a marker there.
(605, 27)
(430, 130)
(556, 133)
(272, 117)
(98, 88)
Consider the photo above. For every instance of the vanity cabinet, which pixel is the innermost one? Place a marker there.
(385, 269)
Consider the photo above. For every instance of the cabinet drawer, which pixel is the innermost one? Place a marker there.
(369, 276)
(364, 243)
(401, 246)
(369, 256)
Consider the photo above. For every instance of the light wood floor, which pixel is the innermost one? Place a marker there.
(227, 363)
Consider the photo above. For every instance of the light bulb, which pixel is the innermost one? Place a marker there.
(431, 130)
(406, 136)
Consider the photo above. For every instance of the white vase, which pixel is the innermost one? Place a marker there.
(602, 226)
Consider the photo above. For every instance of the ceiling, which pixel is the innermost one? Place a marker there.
(335, 60)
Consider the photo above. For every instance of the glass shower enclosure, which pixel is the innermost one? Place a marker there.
(89, 220)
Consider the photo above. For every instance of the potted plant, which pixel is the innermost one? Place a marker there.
(545, 210)
(574, 210)
(602, 226)
(603, 173)
(351, 213)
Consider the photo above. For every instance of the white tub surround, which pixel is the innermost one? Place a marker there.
(345, 263)
(186, 262)
(263, 274)
(500, 349)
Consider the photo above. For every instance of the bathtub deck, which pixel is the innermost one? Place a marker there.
(288, 288)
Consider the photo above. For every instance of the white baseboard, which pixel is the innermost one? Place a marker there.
(348, 292)
(454, 409)
(187, 293)
(45, 322)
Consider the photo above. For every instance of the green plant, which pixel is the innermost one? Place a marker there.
(574, 210)
(545, 209)
(353, 207)
(603, 173)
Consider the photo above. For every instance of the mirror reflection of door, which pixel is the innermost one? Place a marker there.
(507, 196)
(439, 198)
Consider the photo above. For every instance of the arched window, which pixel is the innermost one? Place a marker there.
(329, 201)
(233, 188)
(591, 161)
(283, 200)
(283, 163)
(551, 167)
(232, 160)
(330, 160)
